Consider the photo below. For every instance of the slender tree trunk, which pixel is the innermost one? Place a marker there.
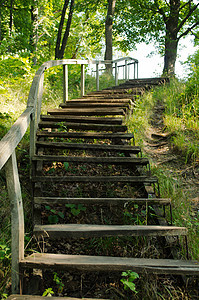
(11, 17)
(59, 52)
(108, 33)
(61, 24)
(34, 35)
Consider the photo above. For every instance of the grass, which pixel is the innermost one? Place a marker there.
(181, 121)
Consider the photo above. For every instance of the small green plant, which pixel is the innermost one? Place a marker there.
(48, 292)
(59, 282)
(5, 252)
(54, 217)
(76, 209)
(128, 283)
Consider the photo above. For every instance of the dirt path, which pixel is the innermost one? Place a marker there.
(158, 147)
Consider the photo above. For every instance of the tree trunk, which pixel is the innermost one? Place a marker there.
(34, 34)
(108, 33)
(61, 24)
(171, 40)
(170, 55)
(11, 17)
(59, 53)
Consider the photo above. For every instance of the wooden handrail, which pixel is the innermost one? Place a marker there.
(12, 138)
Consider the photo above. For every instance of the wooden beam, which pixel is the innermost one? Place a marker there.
(12, 138)
(17, 219)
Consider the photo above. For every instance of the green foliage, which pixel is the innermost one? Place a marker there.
(54, 217)
(128, 283)
(58, 282)
(76, 209)
(5, 253)
(48, 293)
(15, 66)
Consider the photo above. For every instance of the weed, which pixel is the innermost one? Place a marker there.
(59, 282)
(128, 283)
(55, 215)
(48, 293)
(76, 209)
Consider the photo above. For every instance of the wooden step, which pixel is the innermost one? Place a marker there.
(83, 126)
(57, 231)
(97, 147)
(88, 111)
(78, 119)
(132, 90)
(86, 135)
(31, 297)
(100, 100)
(104, 201)
(112, 264)
(129, 179)
(111, 96)
(93, 159)
(93, 105)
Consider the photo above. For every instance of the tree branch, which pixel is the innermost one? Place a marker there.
(187, 16)
(188, 30)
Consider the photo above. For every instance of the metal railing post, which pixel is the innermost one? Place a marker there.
(82, 80)
(65, 83)
(97, 76)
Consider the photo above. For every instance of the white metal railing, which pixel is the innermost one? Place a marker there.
(9, 142)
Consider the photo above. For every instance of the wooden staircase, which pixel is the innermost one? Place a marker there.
(86, 134)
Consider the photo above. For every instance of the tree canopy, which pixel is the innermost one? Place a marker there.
(48, 29)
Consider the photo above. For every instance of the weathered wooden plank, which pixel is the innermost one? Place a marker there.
(85, 146)
(88, 112)
(83, 126)
(113, 264)
(93, 159)
(12, 138)
(130, 179)
(93, 105)
(57, 231)
(100, 100)
(104, 201)
(130, 90)
(87, 135)
(31, 297)
(79, 119)
(17, 219)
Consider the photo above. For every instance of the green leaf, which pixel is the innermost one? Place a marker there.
(60, 214)
(66, 165)
(53, 219)
(75, 211)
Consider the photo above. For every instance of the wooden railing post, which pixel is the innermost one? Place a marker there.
(126, 71)
(97, 76)
(65, 83)
(116, 74)
(82, 80)
(39, 97)
(17, 219)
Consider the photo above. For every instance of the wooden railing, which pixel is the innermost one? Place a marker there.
(10, 141)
